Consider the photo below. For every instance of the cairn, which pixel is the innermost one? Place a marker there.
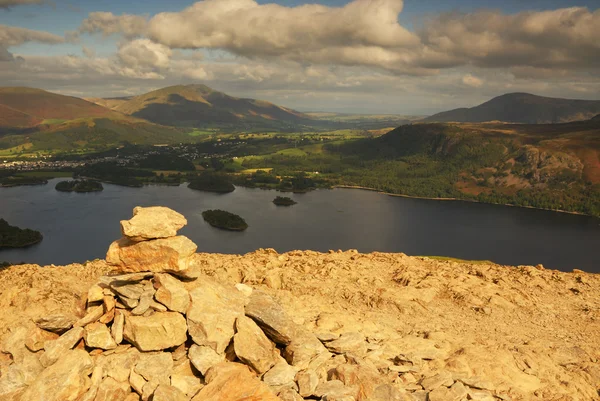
(156, 329)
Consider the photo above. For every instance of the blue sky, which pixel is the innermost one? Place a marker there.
(456, 61)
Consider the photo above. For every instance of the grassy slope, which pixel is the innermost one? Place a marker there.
(94, 134)
(36, 105)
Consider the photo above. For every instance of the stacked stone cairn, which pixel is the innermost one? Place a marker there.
(156, 330)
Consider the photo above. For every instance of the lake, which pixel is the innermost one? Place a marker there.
(80, 227)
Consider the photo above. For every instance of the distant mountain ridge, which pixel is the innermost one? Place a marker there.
(200, 106)
(36, 119)
(523, 108)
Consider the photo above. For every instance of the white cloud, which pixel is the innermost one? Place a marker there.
(143, 53)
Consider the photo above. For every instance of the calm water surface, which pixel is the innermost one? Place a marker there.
(80, 227)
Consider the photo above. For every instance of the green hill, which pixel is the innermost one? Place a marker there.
(200, 106)
(523, 108)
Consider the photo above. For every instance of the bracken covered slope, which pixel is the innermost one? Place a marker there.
(525, 332)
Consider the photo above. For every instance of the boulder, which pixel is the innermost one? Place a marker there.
(57, 323)
(252, 346)
(66, 380)
(271, 317)
(171, 293)
(233, 382)
(159, 255)
(97, 335)
(204, 357)
(54, 349)
(152, 222)
(157, 332)
(212, 313)
(95, 294)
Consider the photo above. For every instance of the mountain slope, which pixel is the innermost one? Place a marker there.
(523, 108)
(27, 107)
(200, 106)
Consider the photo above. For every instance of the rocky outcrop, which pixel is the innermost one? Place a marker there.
(302, 325)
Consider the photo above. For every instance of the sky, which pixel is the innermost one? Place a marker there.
(411, 57)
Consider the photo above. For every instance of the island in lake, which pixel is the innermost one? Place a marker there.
(284, 201)
(16, 181)
(212, 183)
(15, 237)
(79, 186)
(224, 220)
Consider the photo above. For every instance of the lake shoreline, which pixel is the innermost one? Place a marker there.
(459, 200)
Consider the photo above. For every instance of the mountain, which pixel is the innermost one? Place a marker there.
(523, 108)
(22, 107)
(200, 106)
(34, 119)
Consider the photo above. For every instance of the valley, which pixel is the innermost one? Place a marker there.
(187, 133)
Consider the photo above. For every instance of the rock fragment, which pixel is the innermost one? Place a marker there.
(171, 293)
(307, 381)
(65, 380)
(97, 335)
(212, 313)
(204, 357)
(233, 382)
(157, 332)
(271, 317)
(152, 222)
(159, 255)
(252, 346)
(54, 349)
(57, 323)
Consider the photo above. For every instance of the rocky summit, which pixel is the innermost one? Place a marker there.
(156, 321)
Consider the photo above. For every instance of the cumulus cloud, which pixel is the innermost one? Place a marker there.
(367, 33)
(6, 4)
(143, 53)
(14, 36)
(559, 38)
(108, 23)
